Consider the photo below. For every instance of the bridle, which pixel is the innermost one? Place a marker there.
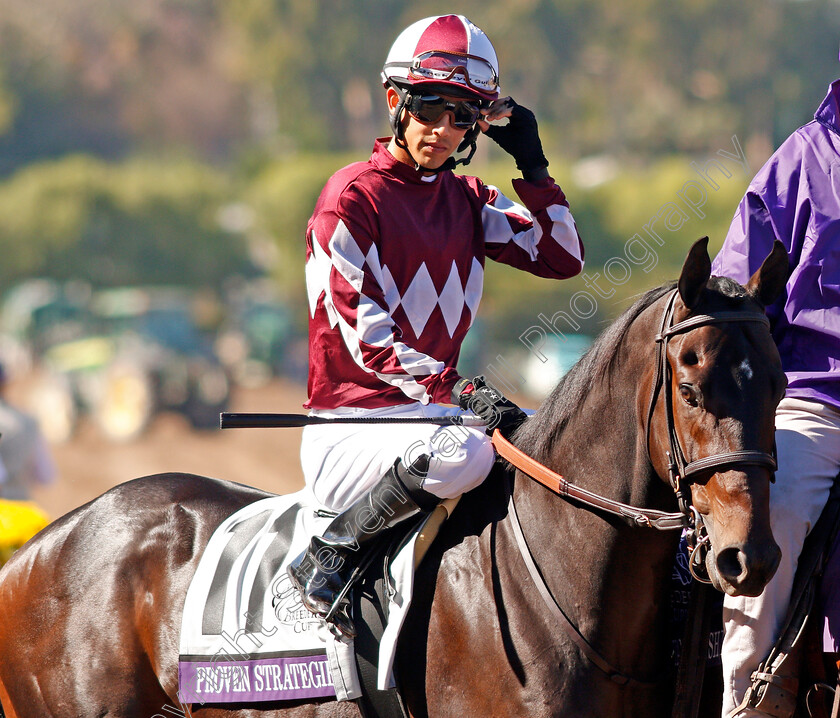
(681, 474)
(678, 468)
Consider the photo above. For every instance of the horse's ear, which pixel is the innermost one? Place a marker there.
(695, 273)
(770, 278)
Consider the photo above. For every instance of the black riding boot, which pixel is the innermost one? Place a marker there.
(322, 571)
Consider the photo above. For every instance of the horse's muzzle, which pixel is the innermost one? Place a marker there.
(743, 569)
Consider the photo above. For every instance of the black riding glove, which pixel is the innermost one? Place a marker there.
(488, 404)
(520, 138)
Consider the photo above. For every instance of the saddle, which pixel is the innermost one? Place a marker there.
(245, 636)
(371, 595)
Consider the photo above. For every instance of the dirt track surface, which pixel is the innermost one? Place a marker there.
(89, 465)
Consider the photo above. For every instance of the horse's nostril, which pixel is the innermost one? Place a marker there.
(748, 571)
(731, 564)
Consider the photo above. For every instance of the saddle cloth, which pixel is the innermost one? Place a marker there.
(245, 635)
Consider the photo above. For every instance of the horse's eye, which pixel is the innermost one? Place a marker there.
(689, 396)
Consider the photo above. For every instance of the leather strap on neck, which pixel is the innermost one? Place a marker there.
(548, 478)
(616, 676)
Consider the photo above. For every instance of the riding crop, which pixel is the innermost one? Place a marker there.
(228, 420)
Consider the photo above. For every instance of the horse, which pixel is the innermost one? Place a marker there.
(672, 407)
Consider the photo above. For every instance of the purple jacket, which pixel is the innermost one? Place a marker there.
(795, 197)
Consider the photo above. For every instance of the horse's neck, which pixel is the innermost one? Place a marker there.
(611, 575)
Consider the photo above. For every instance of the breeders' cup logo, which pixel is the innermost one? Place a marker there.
(289, 608)
(680, 571)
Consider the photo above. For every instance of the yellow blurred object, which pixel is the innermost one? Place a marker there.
(19, 521)
(88, 353)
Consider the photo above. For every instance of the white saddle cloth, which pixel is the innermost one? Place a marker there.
(245, 636)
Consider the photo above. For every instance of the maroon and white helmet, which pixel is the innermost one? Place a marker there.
(444, 50)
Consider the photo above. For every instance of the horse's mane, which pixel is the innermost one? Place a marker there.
(536, 436)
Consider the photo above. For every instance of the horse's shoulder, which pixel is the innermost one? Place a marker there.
(467, 534)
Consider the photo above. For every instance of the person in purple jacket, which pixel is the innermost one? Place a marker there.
(794, 198)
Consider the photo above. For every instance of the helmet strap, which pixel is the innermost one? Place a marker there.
(395, 119)
(399, 136)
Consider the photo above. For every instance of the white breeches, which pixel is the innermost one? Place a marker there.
(808, 444)
(342, 461)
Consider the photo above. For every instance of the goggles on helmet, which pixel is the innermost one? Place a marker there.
(429, 108)
(469, 70)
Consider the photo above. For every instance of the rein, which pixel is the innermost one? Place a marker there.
(678, 469)
(542, 474)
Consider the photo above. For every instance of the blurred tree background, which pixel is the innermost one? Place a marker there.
(161, 141)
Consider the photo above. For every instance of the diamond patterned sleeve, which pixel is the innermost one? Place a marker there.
(344, 274)
(540, 237)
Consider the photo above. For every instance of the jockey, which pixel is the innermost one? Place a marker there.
(795, 198)
(396, 249)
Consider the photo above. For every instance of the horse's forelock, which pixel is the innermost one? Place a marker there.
(728, 288)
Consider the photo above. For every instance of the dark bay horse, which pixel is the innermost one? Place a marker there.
(90, 609)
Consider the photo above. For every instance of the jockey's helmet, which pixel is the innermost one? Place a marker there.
(447, 52)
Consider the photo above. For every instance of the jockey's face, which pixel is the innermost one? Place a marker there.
(429, 145)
